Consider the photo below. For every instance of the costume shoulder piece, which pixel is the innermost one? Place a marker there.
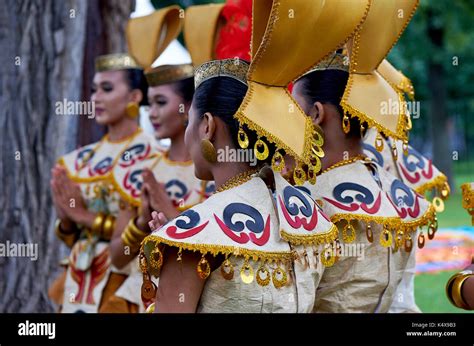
(362, 191)
(243, 222)
(96, 161)
(184, 189)
(412, 208)
(353, 192)
(409, 165)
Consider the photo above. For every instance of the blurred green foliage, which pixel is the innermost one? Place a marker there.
(416, 50)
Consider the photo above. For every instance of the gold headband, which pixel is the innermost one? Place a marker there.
(233, 68)
(336, 61)
(114, 62)
(169, 74)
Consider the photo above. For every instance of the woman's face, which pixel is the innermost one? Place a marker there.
(168, 112)
(110, 94)
(192, 139)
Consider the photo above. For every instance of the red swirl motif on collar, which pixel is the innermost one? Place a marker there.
(241, 232)
(404, 200)
(134, 154)
(364, 196)
(305, 216)
(186, 225)
(414, 166)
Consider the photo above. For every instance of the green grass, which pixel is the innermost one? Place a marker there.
(430, 288)
(430, 293)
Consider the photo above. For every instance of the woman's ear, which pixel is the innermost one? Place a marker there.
(209, 126)
(136, 96)
(317, 113)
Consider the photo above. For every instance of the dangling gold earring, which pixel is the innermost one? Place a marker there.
(346, 124)
(132, 110)
(208, 151)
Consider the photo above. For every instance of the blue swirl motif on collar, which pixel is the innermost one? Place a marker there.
(237, 231)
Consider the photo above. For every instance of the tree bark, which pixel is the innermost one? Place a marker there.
(442, 152)
(42, 44)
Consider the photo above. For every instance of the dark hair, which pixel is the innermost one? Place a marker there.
(222, 97)
(136, 80)
(185, 88)
(327, 87)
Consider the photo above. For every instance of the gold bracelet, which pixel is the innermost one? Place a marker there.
(125, 239)
(98, 224)
(129, 239)
(454, 289)
(132, 236)
(108, 228)
(135, 230)
(69, 238)
(58, 228)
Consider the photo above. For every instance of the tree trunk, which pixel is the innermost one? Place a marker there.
(42, 44)
(442, 151)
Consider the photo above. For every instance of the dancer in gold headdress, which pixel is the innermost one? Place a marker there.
(236, 251)
(376, 213)
(87, 194)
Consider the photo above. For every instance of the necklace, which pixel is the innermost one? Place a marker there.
(237, 180)
(346, 162)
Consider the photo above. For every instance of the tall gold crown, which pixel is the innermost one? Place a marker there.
(233, 68)
(367, 90)
(147, 38)
(396, 78)
(278, 59)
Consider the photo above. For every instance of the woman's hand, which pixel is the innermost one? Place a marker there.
(144, 214)
(158, 220)
(67, 198)
(158, 198)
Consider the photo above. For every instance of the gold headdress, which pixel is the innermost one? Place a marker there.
(200, 28)
(368, 95)
(165, 74)
(233, 68)
(396, 78)
(278, 59)
(113, 62)
(336, 61)
(147, 38)
(159, 29)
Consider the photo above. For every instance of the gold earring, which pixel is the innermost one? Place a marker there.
(362, 130)
(261, 155)
(242, 138)
(132, 110)
(278, 161)
(208, 151)
(346, 124)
